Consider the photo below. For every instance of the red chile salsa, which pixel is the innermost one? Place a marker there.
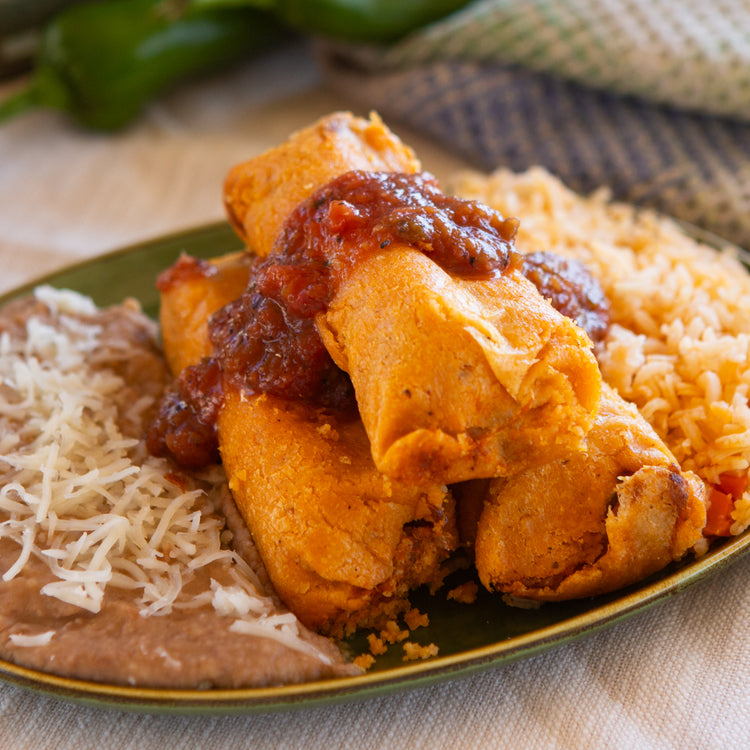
(571, 289)
(185, 269)
(266, 341)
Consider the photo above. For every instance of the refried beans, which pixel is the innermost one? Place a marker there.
(113, 567)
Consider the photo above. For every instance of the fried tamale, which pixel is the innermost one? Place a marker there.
(593, 522)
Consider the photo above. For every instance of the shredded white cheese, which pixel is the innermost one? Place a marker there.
(90, 502)
(28, 641)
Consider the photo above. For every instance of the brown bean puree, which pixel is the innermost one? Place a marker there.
(190, 648)
(191, 642)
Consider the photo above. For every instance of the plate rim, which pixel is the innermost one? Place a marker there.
(113, 254)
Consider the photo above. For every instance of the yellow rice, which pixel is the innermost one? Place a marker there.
(679, 346)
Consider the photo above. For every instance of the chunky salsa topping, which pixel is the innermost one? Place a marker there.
(185, 269)
(571, 289)
(266, 341)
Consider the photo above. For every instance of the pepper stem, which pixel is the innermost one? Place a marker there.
(19, 102)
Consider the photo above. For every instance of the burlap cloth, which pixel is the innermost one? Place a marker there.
(674, 676)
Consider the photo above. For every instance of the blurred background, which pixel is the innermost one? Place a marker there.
(648, 98)
(119, 120)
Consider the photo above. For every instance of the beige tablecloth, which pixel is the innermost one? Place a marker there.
(674, 676)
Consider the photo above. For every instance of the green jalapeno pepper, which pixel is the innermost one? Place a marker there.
(363, 20)
(351, 20)
(102, 61)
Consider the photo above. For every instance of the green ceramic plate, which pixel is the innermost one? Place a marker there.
(471, 638)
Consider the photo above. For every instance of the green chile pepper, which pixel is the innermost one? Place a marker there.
(374, 21)
(363, 20)
(102, 61)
